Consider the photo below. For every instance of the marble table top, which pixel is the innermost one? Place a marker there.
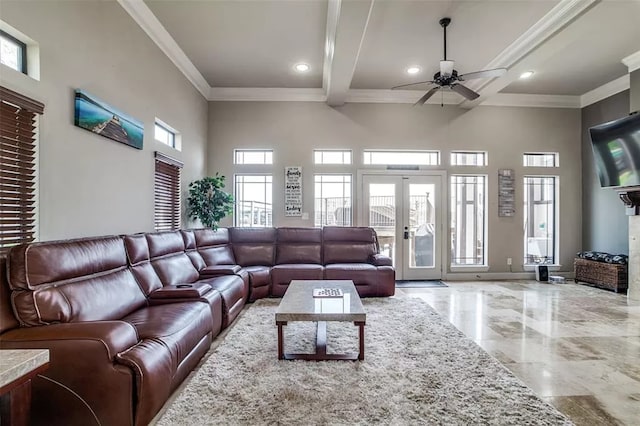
(15, 363)
(298, 303)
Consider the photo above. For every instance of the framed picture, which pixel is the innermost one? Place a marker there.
(99, 117)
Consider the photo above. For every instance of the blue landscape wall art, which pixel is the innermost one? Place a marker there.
(98, 117)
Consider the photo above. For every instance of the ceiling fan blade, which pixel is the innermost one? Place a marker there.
(483, 74)
(464, 91)
(411, 84)
(426, 96)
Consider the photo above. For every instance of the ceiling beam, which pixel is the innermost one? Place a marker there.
(346, 27)
(524, 51)
(143, 16)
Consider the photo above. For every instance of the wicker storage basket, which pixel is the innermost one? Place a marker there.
(609, 276)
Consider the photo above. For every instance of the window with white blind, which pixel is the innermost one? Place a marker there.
(540, 159)
(468, 158)
(167, 193)
(468, 218)
(18, 159)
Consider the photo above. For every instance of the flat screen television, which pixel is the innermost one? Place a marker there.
(616, 151)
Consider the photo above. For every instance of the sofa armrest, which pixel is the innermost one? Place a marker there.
(216, 270)
(380, 260)
(114, 336)
(180, 291)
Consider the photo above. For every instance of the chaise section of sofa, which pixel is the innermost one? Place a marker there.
(114, 358)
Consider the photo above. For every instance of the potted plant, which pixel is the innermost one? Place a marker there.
(208, 202)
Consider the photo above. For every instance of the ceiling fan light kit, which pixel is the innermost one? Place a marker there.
(448, 77)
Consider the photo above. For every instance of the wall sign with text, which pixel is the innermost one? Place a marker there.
(293, 191)
(506, 194)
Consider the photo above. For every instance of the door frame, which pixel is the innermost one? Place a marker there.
(444, 191)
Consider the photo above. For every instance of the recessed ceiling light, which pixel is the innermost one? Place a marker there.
(301, 67)
(413, 70)
(526, 74)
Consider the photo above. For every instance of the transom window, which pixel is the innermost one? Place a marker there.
(468, 214)
(468, 158)
(165, 134)
(420, 158)
(540, 194)
(253, 156)
(13, 52)
(331, 156)
(332, 200)
(540, 159)
(253, 195)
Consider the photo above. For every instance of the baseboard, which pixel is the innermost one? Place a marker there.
(489, 276)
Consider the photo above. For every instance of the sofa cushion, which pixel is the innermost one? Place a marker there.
(73, 280)
(348, 245)
(234, 295)
(299, 245)
(368, 279)
(281, 276)
(253, 246)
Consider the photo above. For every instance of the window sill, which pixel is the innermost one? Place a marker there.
(530, 267)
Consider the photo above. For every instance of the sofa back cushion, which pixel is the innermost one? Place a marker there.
(348, 244)
(140, 262)
(214, 246)
(169, 259)
(253, 246)
(299, 245)
(72, 281)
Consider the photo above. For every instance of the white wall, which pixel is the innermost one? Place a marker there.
(294, 129)
(90, 185)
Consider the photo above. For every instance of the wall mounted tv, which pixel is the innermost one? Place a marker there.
(616, 151)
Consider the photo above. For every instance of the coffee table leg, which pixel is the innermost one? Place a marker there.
(321, 338)
(361, 333)
(280, 324)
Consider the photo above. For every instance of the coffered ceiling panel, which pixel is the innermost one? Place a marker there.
(406, 33)
(241, 43)
(587, 53)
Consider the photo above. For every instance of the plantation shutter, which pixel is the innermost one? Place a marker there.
(167, 193)
(18, 132)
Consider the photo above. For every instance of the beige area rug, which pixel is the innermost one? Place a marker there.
(418, 369)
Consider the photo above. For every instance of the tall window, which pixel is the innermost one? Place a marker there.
(540, 219)
(167, 193)
(468, 213)
(253, 195)
(13, 52)
(332, 200)
(252, 156)
(18, 134)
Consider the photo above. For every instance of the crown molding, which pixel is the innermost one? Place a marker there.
(266, 94)
(143, 16)
(399, 96)
(608, 89)
(632, 61)
(528, 100)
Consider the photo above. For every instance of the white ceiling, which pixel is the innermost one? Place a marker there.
(359, 49)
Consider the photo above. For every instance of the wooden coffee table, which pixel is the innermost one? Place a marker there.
(298, 304)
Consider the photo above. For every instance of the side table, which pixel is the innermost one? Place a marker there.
(17, 368)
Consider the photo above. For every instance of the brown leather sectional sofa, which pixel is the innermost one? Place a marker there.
(126, 318)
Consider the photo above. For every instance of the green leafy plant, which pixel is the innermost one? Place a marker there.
(208, 202)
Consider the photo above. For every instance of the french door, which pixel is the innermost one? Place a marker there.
(406, 212)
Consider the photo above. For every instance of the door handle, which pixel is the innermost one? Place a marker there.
(406, 233)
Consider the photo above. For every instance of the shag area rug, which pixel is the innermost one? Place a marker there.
(418, 369)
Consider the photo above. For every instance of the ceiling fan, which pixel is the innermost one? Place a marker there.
(449, 77)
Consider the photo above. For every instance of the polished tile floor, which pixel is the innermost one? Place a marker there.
(576, 346)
